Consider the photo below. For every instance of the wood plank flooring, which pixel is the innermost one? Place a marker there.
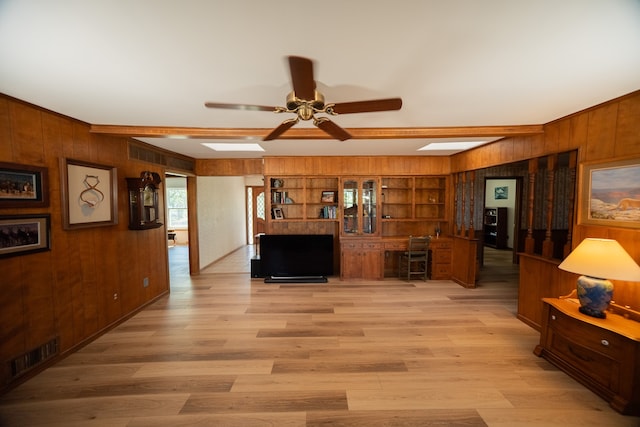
(225, 350)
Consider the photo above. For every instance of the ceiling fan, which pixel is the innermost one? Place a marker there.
(305, 101)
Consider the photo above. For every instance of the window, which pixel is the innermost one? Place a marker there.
(177, 207)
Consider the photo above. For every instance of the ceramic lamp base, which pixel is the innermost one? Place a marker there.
(594, 295)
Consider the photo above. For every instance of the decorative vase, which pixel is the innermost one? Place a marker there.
(595, 296)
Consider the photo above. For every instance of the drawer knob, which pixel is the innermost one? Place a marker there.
(553, 317)
(604, 343)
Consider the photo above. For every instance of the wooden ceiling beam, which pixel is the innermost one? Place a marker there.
(314, 133)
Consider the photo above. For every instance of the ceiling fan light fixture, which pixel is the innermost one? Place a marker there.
(305, 101)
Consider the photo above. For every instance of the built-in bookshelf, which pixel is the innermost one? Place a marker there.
(414, 205)
(302, 204)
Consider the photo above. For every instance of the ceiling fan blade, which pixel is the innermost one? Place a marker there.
(302, 80)
(368, 106)
(284, 126)
(248, 107)
(332, 129)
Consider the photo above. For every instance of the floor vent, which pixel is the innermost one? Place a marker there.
(32, 358)
(145, 153)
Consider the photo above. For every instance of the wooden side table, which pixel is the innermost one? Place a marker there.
(602, 354)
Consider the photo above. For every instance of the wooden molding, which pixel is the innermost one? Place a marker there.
(313, 133)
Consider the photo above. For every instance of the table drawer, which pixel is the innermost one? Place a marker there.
(596, 339)
(596, 365)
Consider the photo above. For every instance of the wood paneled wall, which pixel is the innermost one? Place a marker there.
(604, 132)
(92, 278)
(356, 165)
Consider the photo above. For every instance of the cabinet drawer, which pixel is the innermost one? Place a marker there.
(440, 244)
(442, 256)
(371, 245)
(440, 271)
(591, 337)
(351, 245)
(597, 366)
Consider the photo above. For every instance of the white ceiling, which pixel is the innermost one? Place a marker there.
(455, 63)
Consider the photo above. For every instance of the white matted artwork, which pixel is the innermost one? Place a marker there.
(89, 194)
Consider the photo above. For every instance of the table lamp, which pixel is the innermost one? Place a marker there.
(598, 260)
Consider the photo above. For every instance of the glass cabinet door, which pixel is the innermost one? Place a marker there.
(360, 206)
(369, 205)
(350, 207)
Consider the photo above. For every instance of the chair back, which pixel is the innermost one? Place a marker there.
(418, 245)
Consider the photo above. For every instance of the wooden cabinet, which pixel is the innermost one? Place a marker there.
(361, 259)
(364, 213)
(414, 205)
(359, 207)
(602, 354)
(494, 227)
(440, 258)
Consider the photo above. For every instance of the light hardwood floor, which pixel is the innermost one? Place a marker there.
(226, 350)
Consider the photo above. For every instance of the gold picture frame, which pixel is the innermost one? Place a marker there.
(610, 193)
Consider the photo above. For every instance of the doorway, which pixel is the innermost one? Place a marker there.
(256, 221)
(177, 225)
(502, 194)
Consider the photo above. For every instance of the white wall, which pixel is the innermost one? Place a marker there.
(491, 202)
(221, 216)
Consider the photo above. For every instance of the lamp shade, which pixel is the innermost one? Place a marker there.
(602, 258)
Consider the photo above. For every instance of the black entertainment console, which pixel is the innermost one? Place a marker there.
(296, 258)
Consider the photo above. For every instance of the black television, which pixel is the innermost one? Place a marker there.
(296, 257)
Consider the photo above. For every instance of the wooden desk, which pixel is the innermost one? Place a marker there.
(602, 354)
(364, 257)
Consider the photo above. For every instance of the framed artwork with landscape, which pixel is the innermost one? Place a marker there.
(610, 193)
(24, 234)
(23, 186)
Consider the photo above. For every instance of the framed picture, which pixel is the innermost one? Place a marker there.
(24, 234)
(328, 197)
(23, 186)
(277, 213)
(610, 193)
(501, 193)
(89, 194)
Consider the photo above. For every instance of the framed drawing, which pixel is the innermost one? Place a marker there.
(23, 186)
(328, 197)
(610, 193)
(24, 234)
(277, 213)
(89, 194)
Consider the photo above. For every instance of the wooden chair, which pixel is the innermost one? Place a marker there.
(415, 261)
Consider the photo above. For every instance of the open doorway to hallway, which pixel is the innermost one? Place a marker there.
(177, 224)
(501, 218)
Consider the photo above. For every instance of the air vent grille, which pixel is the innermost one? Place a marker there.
(148, 154)
(32, 358)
